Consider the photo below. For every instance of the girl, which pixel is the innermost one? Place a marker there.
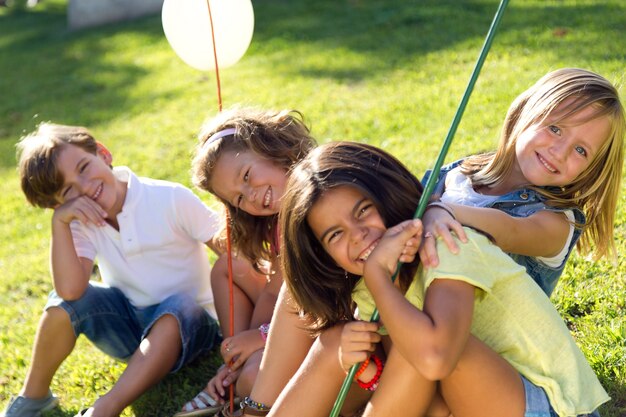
(518, 360)
(555, 177)
(244, 157)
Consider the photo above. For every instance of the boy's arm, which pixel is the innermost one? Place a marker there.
(541, 234)
(70, 273)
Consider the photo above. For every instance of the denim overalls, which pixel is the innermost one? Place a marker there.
(523, 203)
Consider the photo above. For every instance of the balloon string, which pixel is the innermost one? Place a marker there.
(217, 70)
(231, 301)
(229, 256)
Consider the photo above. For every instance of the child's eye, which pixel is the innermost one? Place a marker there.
(239, 200)
(65, 192)
(246, 176)
(581, 150)
(83, 167)
(364, 209)
(334, 236)
(555, 129)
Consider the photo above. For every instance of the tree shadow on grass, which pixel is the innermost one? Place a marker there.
(393, 35)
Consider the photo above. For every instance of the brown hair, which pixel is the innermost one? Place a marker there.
(596, 189)
(280, 136)
(321, 289)
(37, 154)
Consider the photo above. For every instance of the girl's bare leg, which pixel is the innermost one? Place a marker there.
(483, 384)
(402, 391)
(287, 346)
(248, 284)
(313, 389)
(248, 374)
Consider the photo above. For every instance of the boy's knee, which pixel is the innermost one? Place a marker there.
(56, 315)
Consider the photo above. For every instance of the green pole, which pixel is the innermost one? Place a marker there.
(432, 180)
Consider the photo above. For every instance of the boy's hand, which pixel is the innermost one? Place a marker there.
(399, 244)
(358, 341)
(83, 209)
(439, 223)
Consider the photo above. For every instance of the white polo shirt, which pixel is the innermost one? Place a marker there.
(159, 249)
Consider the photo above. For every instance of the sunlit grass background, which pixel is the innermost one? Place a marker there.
(379, 71)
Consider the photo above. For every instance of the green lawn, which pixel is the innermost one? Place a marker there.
(379, 71)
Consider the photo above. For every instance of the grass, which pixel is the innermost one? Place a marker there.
(384, 72)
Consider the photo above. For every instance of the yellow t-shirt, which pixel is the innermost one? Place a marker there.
(513, 317)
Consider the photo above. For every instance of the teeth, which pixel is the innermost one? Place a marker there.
(547, 165)
(97, 193)
(268, 197)
(367, 252)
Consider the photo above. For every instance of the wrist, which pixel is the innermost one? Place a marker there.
(371, 372)
(442, 206)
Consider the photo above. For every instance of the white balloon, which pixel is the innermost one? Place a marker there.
(187, 28)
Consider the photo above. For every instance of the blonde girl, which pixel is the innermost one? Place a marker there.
(555, 177)
(244, 157)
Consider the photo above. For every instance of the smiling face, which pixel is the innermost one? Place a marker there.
(86, 174)
(556, 152)
(249, 182)
(348, 226)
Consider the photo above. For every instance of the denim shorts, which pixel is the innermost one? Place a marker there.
(538, 405)
(108, 319)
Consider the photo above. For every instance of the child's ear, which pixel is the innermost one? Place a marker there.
(104, 153)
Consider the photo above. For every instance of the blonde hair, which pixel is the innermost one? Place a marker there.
(37, 154)
(596, 189)
(280, 136)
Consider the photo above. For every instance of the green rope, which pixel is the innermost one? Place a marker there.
(432, 180)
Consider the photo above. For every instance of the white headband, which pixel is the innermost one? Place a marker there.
(218, 135)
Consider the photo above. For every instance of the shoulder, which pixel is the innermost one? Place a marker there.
(478, 262)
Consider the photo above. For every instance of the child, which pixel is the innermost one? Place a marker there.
(559, 161)
(244, 158)
(519, 358)
(148, 236)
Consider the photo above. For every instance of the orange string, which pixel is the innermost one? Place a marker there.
(217, 70)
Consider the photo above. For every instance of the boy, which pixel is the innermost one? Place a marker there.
(148, 236)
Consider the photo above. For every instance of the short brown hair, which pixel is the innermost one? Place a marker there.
(37, 155)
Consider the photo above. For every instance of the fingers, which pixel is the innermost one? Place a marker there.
(428, 251)
(406, 229)
(216, 388)
(448, 239)
(358, 341)
(83, 209)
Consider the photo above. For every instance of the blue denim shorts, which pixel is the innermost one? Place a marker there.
(108, 319)
(538, 404)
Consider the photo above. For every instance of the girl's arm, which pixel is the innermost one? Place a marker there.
(431, 339)
(542, 234)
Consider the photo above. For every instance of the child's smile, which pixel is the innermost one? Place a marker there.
(348, 226)
(85, 174)
(249, 182)
(556, 152)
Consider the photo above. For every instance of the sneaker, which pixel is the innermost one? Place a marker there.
(26, 407)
